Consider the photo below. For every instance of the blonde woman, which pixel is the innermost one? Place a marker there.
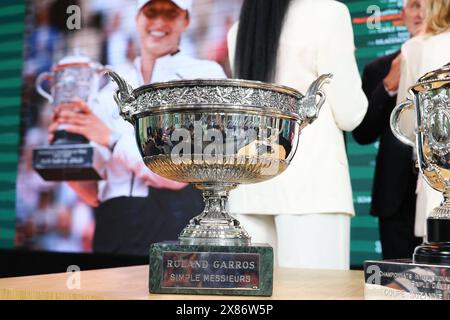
(424, 53)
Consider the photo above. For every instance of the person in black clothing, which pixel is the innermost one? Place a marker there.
(394, 185)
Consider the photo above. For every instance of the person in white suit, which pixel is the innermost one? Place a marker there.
(305, 212)
(421, 54)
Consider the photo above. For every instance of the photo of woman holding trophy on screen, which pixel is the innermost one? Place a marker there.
(133, 207)
(137, 207)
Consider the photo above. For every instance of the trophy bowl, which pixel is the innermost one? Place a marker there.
(217, 134)
(424, 123)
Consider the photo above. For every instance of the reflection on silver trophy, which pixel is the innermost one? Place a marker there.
(73, 77)
(217, 134)
(69, 156)
(424, 123)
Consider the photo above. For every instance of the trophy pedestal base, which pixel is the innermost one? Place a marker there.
(433, 253)
(67, 162)
(177, 268)
(404, 279)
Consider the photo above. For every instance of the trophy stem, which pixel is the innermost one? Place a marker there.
(63, 137)
(446, 202)
(436, 248)
(438, 222)
(215, 225)
(443, 211)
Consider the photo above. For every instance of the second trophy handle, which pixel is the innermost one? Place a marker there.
(396, 115)
(45, 76)
(309, 106)
(123, 96)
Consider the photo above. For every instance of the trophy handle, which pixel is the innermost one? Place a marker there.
(45, 76)
(404, 106)
(123, 96)
(309, 106)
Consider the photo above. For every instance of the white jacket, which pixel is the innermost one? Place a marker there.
(316, 38)
(420, 55)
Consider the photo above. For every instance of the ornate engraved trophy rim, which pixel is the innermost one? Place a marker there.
(218, 82)
(216, 96)
(432, 80)
(218, 108)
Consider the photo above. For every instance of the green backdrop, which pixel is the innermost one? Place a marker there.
(11, 44)
(370, 43)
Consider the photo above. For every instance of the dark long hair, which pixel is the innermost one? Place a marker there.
(260, 25)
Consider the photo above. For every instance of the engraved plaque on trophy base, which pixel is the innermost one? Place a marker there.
(211, 269)
(67, 162)
(404, 279)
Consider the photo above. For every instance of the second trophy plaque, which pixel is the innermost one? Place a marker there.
(216, 134)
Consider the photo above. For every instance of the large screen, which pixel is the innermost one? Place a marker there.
(41, 215)
(49, 215)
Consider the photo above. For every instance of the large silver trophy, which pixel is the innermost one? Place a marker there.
(216, 134)
(69, 156)
(424, 123)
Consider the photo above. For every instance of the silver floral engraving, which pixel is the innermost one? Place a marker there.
(437, 122)
(216, 96)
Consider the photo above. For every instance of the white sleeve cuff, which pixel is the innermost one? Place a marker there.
(390, 93)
